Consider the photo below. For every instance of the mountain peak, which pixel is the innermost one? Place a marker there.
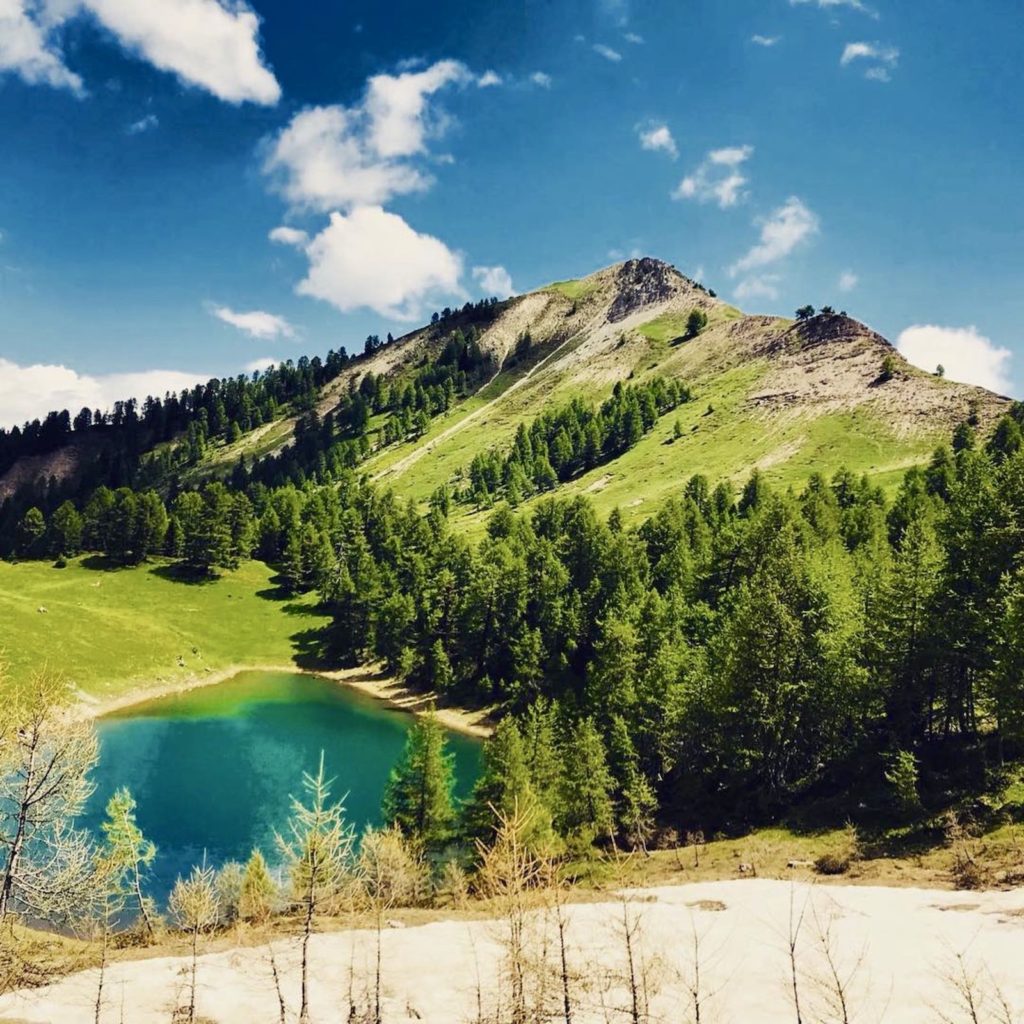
(645, 282)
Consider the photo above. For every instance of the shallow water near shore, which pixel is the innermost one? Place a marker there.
(212, 768)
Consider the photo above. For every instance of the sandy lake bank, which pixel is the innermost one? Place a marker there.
(366, 680)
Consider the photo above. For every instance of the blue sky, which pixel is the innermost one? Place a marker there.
(188, 187)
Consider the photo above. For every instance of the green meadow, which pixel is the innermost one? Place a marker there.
(109, 631)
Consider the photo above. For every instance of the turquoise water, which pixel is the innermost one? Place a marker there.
(212, 769)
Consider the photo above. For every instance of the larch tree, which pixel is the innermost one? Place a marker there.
(128, 854)
(46, 864)
(195, 909)
(317, 848)
(259, 892)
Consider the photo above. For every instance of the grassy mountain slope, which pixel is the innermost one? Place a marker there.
(789, 398)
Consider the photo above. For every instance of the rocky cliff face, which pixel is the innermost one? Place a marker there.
(642, 282)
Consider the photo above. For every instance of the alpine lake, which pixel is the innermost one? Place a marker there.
(214, 769)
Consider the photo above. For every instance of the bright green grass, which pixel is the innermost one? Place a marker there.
(574, 290)
(665, 328)
(728, 441)
(111, 630)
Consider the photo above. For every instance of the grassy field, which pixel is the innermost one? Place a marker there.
(111, 631)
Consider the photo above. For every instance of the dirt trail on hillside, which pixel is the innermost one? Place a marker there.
(593, 358)
(410, 460)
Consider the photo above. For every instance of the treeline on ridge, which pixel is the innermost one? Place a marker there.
(375, 411)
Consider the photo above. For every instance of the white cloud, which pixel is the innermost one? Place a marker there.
(848, 280)
(766, 41)
(758, 286)
(489, 78)
(28, 49)
(882, 59)
(966, 355)
(397, 107)
(374, 259)
(144, 124)
(261, 364)
(541, 78)
(323, 159)
(781, 232)
(289, 236)
(203, 42)
(335, 156)
(29, 392)
(607, 52)
(206, 43)
(856, 5)
(256, 323)
(635, 38)
(656, 136)
(494, 281)
(718, 179)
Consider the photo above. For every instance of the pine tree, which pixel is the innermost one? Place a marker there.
(442, 678)
(585, 810)
(503, 785)
(418, 796)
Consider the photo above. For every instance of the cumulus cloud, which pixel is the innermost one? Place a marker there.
(396, 106)
(848, 280)
(656, 136)
(494, 281)
(256, 323)
(607, 52)
(758, 286)
(881, 59)
(782, 231)
(374, 259)
(203, 42)
(541, 78)
(489, 78)
(206, 43)
(966, 355)
(635, 38)
(766, 41)
(335, 156)
(28, 48)
(29, 392)
(718, 179)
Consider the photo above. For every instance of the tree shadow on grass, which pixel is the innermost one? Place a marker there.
(313, 651)
(102, 563)
(177, 572)
(290, 605)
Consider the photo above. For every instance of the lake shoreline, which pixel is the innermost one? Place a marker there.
(364, 679)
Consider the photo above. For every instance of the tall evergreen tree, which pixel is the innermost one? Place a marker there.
(418, 796)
